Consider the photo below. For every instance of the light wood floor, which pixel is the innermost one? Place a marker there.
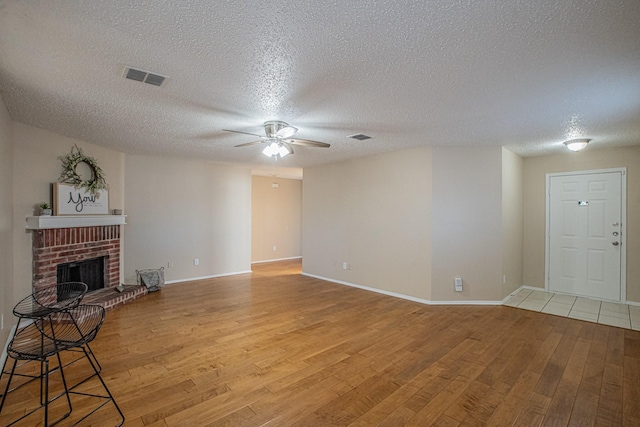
(276, 348)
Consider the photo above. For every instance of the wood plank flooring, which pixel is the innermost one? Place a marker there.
(275, 348)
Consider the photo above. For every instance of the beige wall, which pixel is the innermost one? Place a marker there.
(512, 221)
(374, 213)
(467, 223)
(178, 210)
(411, 221)
(6, 221)
(276, 218)
(36, 166)
(535, 170)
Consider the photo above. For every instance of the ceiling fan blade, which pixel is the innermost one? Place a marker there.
(246, 144)
(245, 133)
(286, 132)
(288, 147)
(308, 143)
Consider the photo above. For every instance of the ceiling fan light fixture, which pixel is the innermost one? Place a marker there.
(275, 150)
(282, 150)
(271, 150)
(577, 144)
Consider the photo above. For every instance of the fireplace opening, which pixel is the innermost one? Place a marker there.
(89, 271)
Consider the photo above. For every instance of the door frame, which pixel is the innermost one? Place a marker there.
(623, 224)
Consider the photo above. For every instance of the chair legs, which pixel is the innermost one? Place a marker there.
(45, 372)
(95, 366)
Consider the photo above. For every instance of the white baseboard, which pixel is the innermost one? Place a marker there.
(190, 279)
(3, 357)
(274, 260)
(403, 296)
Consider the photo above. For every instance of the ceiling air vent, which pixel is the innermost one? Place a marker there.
(359, 136)
(144, 76)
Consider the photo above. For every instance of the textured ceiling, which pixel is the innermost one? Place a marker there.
(525, 74)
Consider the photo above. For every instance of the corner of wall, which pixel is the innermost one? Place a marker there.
(467, 223)
(512, 221)
(6, 221)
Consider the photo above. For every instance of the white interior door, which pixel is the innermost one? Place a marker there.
(585, 234)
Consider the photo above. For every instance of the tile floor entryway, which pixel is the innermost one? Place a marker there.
(604, 312)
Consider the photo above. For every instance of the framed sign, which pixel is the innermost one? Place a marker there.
(70, 200)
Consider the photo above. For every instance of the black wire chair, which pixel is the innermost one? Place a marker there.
(74, 329)
(29, 344)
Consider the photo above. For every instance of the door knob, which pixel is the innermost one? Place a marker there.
(615, 243)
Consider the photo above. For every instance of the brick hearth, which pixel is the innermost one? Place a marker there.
(110, 298)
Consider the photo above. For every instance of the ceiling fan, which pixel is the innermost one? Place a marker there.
(278, 139)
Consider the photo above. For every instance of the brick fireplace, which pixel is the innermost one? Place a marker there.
(59, 240)
(54, 246)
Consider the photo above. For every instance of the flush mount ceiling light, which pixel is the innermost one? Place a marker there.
(577, 144)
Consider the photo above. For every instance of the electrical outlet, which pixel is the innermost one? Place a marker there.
(458, 284)
(196, 261)
(275, 248)
(170, 264)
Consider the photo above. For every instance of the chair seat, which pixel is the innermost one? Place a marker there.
(30, 344)
(74, 327)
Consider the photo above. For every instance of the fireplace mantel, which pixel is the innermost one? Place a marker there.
(71, 221)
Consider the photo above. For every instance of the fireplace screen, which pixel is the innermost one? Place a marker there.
(90, 272)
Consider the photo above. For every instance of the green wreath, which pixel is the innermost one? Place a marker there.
(69, 174)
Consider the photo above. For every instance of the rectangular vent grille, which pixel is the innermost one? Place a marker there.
(144, 76)
(359, 136)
